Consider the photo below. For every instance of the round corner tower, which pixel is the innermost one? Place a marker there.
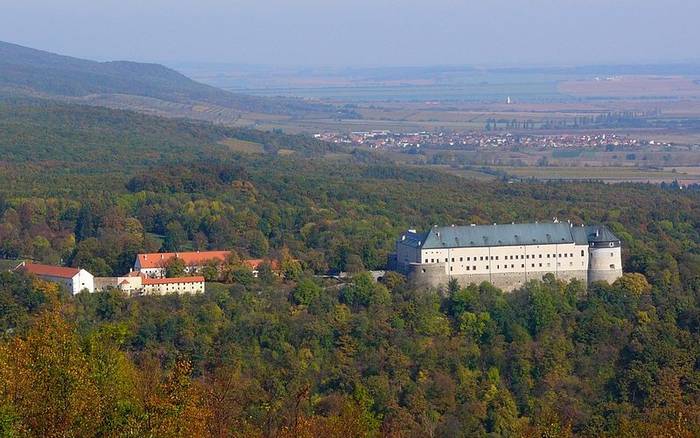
(605, 256)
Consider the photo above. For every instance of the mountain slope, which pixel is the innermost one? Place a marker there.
(29, 71)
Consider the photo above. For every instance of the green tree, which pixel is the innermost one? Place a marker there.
(306, 291)
(175, 268)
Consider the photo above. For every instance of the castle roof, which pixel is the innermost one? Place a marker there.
(507, 235)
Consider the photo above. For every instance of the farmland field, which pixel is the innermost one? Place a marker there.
(607, 173)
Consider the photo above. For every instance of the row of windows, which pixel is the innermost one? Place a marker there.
(512, 266)
(511, 257)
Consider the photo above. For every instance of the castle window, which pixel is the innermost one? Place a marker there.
(565, 255)
(512, 266)
(426, 260)
(523, 265)
(474, 268)
(481, 258)
(453, 259)
(612, 254)
(612, 266)
(450, 268)
(496, 257)
(540, 255)
(498, 266)
(446, 260)
(467, 268)
(461, 259)
(571, 255)
(432, 260)
(540, 265)
(548, 255)
(533, 265)
(581, 253)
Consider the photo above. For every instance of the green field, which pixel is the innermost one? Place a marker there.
(607, 173)
(242, 146)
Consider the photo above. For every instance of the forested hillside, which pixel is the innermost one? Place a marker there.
(300, 356)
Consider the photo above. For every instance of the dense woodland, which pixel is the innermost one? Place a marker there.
(296, 355)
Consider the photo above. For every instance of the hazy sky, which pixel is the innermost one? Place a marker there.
(359, 32)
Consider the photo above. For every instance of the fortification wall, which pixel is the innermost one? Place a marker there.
(570, 275)
(434, 275)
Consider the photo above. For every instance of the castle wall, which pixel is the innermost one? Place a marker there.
(435, 275)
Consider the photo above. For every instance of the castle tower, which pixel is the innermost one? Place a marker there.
(605, 256)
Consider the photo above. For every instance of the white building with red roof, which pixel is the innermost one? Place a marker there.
(137, 283)
(74, 279)
(180, 285)
(154, 265)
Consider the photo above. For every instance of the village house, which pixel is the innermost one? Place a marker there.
(74, 279)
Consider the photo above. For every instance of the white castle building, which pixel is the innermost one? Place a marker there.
(509, 255)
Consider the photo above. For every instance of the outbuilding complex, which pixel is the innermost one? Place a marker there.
(74, 279)
(509, 255)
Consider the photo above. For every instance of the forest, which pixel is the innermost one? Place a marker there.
(302, 356)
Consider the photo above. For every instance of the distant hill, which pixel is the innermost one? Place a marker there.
(49, 145)
(149, 87)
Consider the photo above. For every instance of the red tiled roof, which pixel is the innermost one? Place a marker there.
(147, 280)
(49, 271)
(161, 259)
(254, 264)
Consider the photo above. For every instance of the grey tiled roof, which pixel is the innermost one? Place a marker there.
(508, 235)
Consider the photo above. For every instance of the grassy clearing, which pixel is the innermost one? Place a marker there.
(464, 173)
(242, 146)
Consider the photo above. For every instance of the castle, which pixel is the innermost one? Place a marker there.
(509, 255)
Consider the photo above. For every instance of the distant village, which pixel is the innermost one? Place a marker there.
(481, 140)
